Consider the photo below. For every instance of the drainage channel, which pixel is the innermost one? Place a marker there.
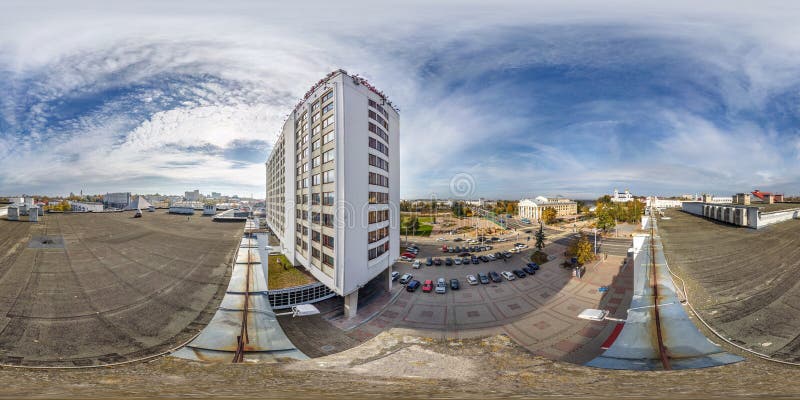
(658, 333)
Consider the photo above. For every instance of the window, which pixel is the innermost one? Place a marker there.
(304, 199)
(315, 217)
(328, 176)
(327, 220)
(305, 139)
(327, 260)
(378, 131)
(327, 96)
(315, 145)
(327, 198)
(315, 253)
(315, 236)
(317, 129)
(327, 108)
(378, 216)
(327, 156)
(305, 167)
(378, 179)
(375, 144)
(378, 234)
(378, 198)
(315, 199)
(315, 180)
(327, 137)
(327, 122)
(376, 161)
(315, 162)
(327, 241)
(314, 106)
(305, 183)
(378, 251)
(315, 118)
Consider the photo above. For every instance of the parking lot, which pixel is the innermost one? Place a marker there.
(538, 311)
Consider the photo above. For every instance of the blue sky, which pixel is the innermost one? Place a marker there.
(502, 100)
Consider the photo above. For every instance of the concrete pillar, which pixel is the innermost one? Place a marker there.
(351, 305)
(387, 276)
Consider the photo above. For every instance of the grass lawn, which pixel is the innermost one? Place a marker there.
(280, 278)
(424, 228)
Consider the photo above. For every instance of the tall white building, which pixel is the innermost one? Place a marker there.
(621, 198)
(333, 185)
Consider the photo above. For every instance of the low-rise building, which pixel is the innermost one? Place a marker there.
(119, 200)
(77, 206)
(532, 209)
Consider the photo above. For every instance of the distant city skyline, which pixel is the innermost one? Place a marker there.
(497, 100)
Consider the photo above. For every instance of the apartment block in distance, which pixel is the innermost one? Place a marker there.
(333, 189)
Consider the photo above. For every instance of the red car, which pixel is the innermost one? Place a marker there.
(444, 248)
(427, 287)
(409, 255)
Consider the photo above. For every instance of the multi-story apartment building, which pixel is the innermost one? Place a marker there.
(333, 189)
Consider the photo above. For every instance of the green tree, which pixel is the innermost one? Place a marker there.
(509, 208)
(540, 238)
(549, 215)
(605, 219)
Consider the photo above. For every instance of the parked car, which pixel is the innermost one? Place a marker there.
(416, 264)
(437, 261)
(451, 250)
(412, 286)
(534, 265)
(427, 286)
(465, 260)
(472, 280)
(475, 260)
(444, 248)
(441, 286)
(518, 273)
(528, 270)
(458, 239)
(483, 278)
(410, 256)
(395, 275)
(485, 258)
(508, 275)
(495, 277)
(429, 261)
(441, 239)
(454, 284)
(405, 278)
(491, 257)
(457, 261)
(448, 261)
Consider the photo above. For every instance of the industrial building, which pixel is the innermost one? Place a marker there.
(77, 206)
(193, 196)
(117, 200)
(333, 189)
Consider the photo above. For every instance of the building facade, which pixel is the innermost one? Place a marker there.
(621, 198)
(117, 200)
(532, 209)
(333, 189)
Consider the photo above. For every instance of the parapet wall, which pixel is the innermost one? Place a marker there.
(739, 215)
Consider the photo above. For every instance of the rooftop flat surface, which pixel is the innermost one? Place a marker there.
(89, 289)
(742, 281)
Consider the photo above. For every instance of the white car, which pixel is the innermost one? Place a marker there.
(441, 286)
(441, 239)
(508, 275)
(405, 278)
(491, 257)
(395, 275)
(472, 280)
(416, 264)
(457, 261)
(514, 250)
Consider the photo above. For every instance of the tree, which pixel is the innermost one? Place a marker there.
(540, 238)
(549, 215)
(414, 225)
(583, 250)
(605, 219)
(509, 208)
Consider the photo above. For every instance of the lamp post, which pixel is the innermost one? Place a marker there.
(595, 240)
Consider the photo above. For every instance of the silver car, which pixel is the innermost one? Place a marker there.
(441, 286)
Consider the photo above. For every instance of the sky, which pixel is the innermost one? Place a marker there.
(497, 99)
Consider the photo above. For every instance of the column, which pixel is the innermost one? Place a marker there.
(351, 305)
(387, 276)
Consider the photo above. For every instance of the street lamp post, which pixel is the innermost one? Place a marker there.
(595, 241)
